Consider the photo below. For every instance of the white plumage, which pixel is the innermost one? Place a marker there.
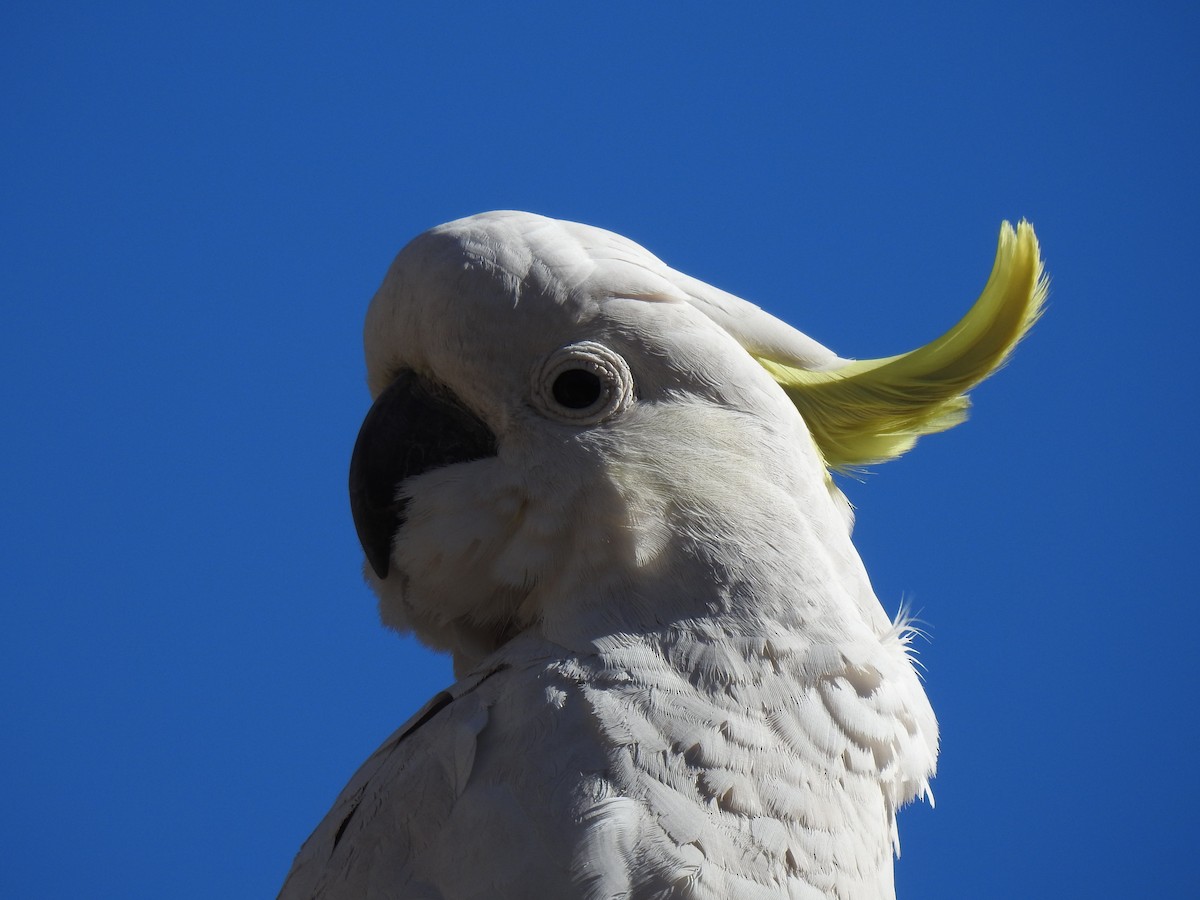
(581, 479)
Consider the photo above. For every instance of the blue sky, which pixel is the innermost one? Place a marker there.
(200, 199)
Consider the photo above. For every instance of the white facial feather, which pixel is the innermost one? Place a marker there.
(713, 454)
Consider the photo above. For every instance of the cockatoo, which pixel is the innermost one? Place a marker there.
(604, 487)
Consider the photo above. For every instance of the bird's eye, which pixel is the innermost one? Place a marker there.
(577, 388)
(582, 384)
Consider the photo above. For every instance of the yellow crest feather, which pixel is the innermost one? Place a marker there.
(873, 410)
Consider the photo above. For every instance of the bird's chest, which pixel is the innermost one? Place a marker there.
(607, 781)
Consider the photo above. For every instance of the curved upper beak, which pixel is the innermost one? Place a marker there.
(415, 425)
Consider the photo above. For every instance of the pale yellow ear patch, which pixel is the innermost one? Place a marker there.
(873, 410)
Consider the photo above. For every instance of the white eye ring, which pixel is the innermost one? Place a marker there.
(582, 384)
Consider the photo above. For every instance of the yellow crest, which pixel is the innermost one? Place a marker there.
(873, 410)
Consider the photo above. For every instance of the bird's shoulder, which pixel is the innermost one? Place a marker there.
(496, 753)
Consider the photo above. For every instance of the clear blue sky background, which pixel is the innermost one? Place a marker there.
(200, 199)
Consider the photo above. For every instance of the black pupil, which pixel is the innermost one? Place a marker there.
(577, 388)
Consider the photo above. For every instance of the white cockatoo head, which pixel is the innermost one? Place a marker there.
(570, 435)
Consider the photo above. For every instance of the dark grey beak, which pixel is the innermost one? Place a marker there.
(414, 426)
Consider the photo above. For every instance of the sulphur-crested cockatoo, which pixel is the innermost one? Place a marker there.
(604, 487)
